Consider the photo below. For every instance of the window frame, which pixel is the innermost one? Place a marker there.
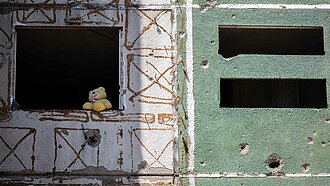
(121, 71)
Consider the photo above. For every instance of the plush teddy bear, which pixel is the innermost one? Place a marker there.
(97, 100)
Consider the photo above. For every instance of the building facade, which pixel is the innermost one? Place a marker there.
(203, 92)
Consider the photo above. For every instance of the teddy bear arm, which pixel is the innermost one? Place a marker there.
(106, 103)
(88, 106)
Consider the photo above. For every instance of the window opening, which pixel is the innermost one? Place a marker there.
(277, 93)
(57, 67)
(274, 40)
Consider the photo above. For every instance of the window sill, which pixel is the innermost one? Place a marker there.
(87, 116)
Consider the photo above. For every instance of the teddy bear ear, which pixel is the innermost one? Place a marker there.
(102, 88)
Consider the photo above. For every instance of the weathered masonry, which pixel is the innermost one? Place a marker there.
(52, 53)
(204, 92)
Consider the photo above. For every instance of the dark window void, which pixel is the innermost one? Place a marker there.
(273, 93)
(56, 68)
(235, 40)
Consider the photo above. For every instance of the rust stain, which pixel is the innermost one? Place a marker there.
(120, 135)
(116, 116)
(132, 147)
(120, 160)
(8, 38)
(156, 157)
(5, 114)
(154, 67)
(130, 58)
(25, 16)
(162, 152)
(33, 158)
(57, 132)
(32, 131)
(98, 157)
(153, 21)
(5, 110)
(185, 143)
(166, 119)
(60, 115)
(10, 81)
(98, 11)
(182, 120)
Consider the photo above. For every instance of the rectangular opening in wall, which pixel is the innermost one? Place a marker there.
(273, 40)
(57, 67)
(273, 93)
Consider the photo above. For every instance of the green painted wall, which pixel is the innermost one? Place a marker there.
(263, 181)
(219, 131)
(300, 136)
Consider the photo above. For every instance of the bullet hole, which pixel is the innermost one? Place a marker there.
(205, 64)
(327, 120)
(142, 165)
(244, 148)
(233, 16)
(93, 138)
(202, 163)
(305, 167)
(210, 151)
(59, 146)
(323, 143)
(310, 141)
(274, 164)
(159, 31)
(212, 42)
(152, 53)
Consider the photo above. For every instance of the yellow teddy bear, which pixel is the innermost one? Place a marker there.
(97, 100)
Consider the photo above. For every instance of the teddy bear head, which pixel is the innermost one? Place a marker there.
(97, 94)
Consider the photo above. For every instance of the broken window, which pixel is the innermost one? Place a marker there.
(273, 93)
(57, 67)
(272, 40)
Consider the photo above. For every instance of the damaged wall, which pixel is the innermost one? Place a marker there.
(138, 143)
(227, 145)
(134, 144)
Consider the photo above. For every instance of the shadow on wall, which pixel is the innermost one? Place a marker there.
(57, 66)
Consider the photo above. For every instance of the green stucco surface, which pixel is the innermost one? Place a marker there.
(201, 2)
(219, 131)
(263, 181)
